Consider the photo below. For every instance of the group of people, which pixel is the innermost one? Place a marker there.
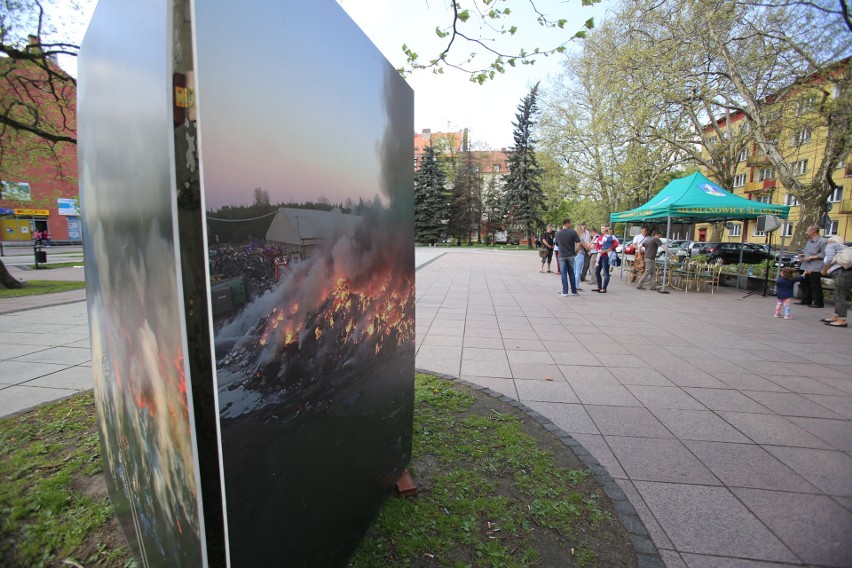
(818, 261)
(41, 237)
(576, 251)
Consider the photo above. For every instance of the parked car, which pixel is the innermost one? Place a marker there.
(730, 253)
(786, 258)
(690, 248)
(501, 238)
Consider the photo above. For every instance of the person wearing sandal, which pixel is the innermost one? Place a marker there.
(842, 282)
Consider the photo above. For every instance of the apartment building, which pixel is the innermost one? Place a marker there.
(800, 136)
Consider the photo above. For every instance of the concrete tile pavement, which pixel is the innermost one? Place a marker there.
(729, 430)
(44, 352)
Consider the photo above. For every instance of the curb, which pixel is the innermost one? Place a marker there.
(40, 306)
(647, 555)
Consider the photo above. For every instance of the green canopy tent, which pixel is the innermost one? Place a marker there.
(696, 198)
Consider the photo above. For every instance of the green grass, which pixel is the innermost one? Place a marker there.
(47, 266)
(489, 493)
(488, 488)
(36, 287)
(45, 457)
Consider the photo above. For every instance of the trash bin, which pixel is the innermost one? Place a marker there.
(41, 256)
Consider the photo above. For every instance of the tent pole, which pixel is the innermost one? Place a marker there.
(662, 289)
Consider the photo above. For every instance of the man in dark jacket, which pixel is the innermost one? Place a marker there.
(568, 241)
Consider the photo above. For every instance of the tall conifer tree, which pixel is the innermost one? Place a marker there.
(524, 195)
(431, 199)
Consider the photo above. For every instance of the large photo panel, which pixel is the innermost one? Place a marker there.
(305, 139)
(127, 194)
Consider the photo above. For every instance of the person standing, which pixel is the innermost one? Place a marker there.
(589, 252)
(638, 257)
(547, 246)
(580, 259)
(784, 291)
(568, 241)
(842, 282)
(650, 246)
(812, 256)
(607, 243)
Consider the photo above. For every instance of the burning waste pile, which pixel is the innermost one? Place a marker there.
(308, 341)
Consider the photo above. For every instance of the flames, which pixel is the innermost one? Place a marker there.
(377, 312)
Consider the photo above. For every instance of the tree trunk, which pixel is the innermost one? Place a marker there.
(718, 231)
(7, 280)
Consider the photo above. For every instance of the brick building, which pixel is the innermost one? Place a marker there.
(39, 175)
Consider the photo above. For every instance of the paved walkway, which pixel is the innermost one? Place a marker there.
(44, 340)
(729, 430)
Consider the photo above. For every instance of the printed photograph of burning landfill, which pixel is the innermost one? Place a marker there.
(309, 216)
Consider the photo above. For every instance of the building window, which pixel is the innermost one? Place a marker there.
(836, 195)
(756, 233)
(832, 230)
(800, 167)
(495, 168)
(743, 155)
(745, 127)
(787, 229)
(767, 198)
(806, 104)
(801, 137)
(764, 174)
(739, 180)
(712, 140)
(791, 200)
(736, 230)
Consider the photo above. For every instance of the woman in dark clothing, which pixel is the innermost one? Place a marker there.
(547, 246)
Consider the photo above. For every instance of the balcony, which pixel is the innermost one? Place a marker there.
(757, 160)
(755, 186)
(846, 206)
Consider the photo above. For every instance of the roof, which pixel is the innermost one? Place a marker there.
(306, 226)
(696, 197)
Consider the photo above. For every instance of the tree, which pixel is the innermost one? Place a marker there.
(595, 130)
(431, 199)
(490, 32)
(31, 77)
(37, 98)
(466, 207)
(524, 196)
(261, 197)
(712, 63)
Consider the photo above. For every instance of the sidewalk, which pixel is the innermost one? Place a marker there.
(729, 430)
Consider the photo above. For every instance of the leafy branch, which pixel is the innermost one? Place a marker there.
(496, 20)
